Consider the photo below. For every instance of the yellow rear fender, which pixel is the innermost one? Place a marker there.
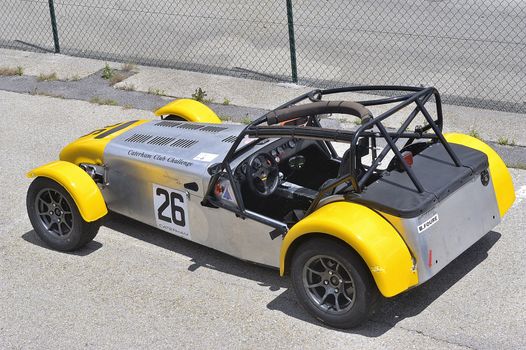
(190, 110)
(501, 177)
(371, 236)
(80, 186)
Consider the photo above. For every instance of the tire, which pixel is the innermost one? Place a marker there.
(56, 218)
(342, 292)
(175, 117)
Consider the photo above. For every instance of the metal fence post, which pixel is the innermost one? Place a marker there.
(292, 42)
(54, 25)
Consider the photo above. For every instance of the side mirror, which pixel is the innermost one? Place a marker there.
(296, 162)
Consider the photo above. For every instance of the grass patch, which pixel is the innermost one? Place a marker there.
(155, 91)
(116, 78)
(199, 95)
(226, 101)
(9, 71)
(474, 133)
(102, 101)
(127, 106)
(504, 141)
(127, 87)
(128, 67)
(35, 92)
(107, 72)
(75, 77)
(225, 118)
(246, 120)
(47, 77)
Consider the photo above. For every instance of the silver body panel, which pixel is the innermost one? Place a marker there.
(180, 149)
(165, 155)
(439, 236)
(168, 155)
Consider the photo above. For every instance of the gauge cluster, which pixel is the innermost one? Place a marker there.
(279, 151)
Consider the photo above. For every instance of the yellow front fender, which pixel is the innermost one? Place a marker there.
(80, 186)
(190, 110)
(501, 177)
(371, 236)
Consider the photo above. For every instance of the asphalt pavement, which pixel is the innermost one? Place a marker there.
(137, 287)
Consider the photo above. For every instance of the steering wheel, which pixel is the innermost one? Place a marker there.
(262, 174)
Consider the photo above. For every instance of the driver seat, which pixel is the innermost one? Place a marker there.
(345, 167)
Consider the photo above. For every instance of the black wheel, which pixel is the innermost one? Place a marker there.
(56, 218)
(332, 283)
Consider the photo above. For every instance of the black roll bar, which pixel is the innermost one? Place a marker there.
(291, 110)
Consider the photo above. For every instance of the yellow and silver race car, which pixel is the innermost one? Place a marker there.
(383, 215)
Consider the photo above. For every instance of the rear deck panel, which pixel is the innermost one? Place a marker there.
(438, 236)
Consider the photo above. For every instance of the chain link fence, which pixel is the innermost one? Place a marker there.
(473, 51)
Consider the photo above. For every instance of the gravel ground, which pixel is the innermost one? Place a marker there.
(137, 287)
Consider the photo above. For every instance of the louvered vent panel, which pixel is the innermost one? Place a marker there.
(168, 124)
(213, 128)
(138, 138)
(230, 139)
(190, 126)
(183, 143)
(160, 140)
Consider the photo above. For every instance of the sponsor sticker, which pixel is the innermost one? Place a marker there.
(428, 223)
(205, 157)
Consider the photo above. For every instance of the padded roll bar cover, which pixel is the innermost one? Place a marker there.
(321, 107)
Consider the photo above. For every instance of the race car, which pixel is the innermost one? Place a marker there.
(349, 214)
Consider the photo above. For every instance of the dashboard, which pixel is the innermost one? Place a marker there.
(280, 150)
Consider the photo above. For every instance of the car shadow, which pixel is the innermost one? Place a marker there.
(198, 255)
(389, 313)
(32, 237)
(408, 304)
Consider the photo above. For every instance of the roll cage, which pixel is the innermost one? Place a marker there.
(309, 106)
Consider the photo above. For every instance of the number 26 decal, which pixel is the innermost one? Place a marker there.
(171, 212)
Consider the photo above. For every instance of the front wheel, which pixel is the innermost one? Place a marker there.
(332, 283)
(56, 218)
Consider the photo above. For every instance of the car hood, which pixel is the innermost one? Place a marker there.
(185, 147)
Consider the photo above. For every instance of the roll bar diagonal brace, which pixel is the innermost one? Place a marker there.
(417, 96)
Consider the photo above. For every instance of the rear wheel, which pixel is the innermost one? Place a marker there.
(332, 283)
(56, 218)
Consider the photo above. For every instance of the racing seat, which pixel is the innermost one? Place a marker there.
(362, 150)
